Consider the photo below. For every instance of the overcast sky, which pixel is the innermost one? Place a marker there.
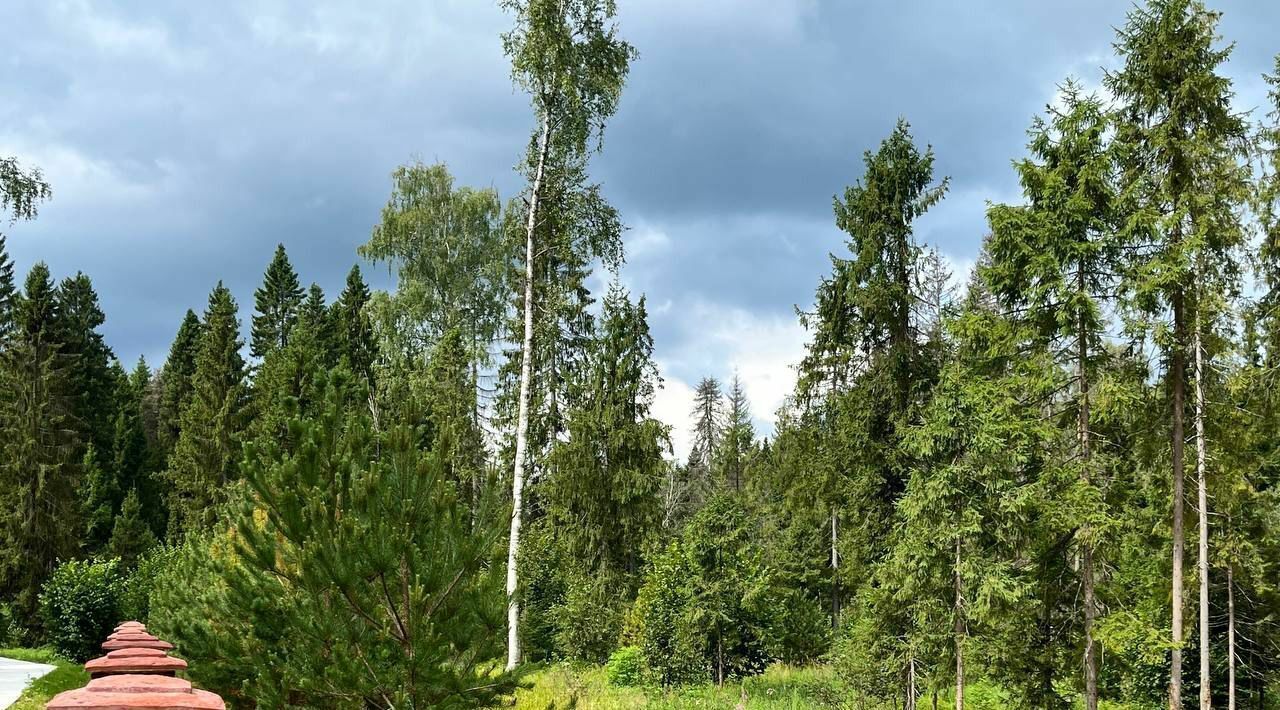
(184, 140)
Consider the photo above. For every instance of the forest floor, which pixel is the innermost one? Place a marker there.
(65, 676)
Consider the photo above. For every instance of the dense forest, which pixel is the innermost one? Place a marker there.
(1058, 478)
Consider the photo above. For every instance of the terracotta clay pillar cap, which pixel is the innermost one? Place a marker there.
(121, 692)
(135, 660)
(134, 639)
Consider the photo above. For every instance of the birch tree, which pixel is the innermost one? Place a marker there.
(566, 54)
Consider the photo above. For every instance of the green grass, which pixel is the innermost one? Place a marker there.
(577, 687)
(65, 676)
(561, 687)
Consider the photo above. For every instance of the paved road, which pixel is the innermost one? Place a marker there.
(14, 677)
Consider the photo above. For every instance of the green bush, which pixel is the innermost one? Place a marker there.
(135, 594)
(626, 667)
(589, 620)
(661, 623)
(80, 604)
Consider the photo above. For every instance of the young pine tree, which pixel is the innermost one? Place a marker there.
(352, 514)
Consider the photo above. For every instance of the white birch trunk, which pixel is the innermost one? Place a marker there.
(522, 420)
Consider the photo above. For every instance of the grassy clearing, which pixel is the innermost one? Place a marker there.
(67, 676)
(565, 687)
(561, 687)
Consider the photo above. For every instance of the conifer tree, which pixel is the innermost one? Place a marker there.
(8, 292)
(454, 435)
(207, 453)
(175, 381)
(314, 315)
(39, 465)
(352, 330)
(1179, 141)
(603, 493)
(692, 485)
(327, 531)
(867, 368)
(736, 439)
(1056, 262)
(276, 305)
(102, 495)
(88, 360)
(568, 57)
(708, 405)
(131, 537)
(134, 460)
(285, 386)
(966, 512)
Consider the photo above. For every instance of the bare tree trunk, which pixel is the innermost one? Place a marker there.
(959, 633)
(1231, 639)
(522, 420)
(911, 683)
(1202, 511)
(719, 657)
(1177, 371)
(1086, 552)
(835, 574)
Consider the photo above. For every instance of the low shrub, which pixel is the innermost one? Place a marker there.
(80, 604)
(625, 668)
(135, 594)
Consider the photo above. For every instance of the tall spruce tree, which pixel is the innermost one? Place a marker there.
(314, 315)
(607, 474)
(1056, 262)
(567, 56)
(207, 453)
(1179, 139)
(867, 368)
(131, 537)
(352, 331)
(708, 415)
(88, 360)
(736, 438)
(175, 381)
(276, 305)
(39, 448)
(8, 291)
